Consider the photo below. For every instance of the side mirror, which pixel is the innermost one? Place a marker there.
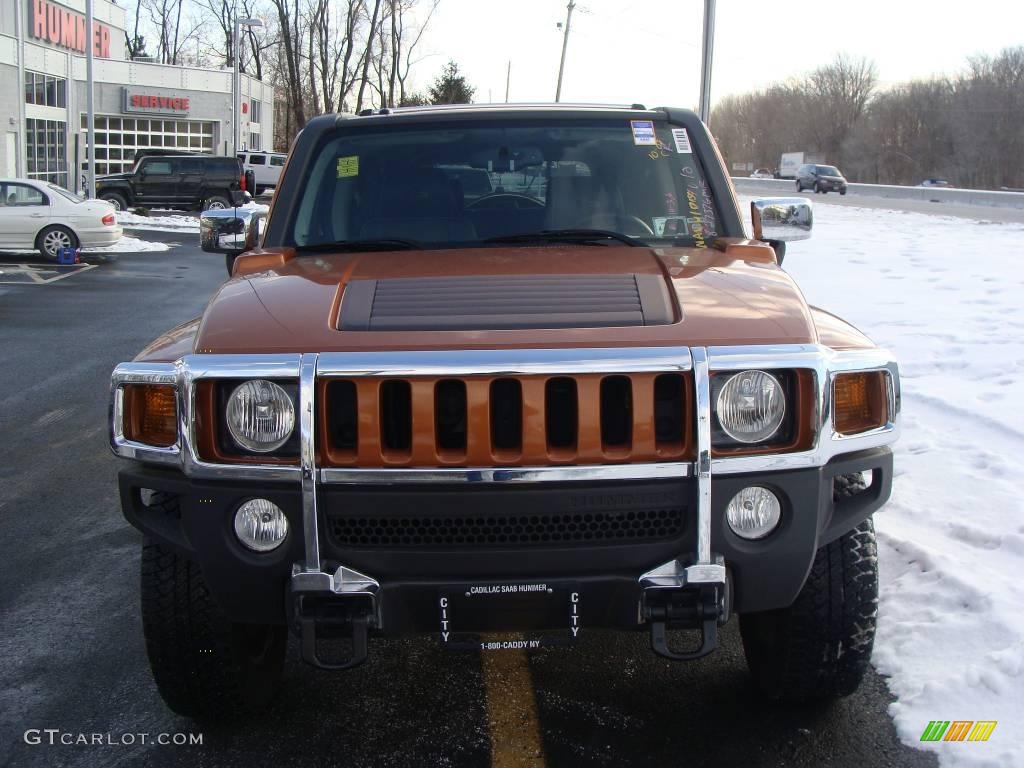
(782, 219)
(230, 230)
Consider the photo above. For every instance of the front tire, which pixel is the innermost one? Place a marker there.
(205, 666)
(819, 647)
(51, 239)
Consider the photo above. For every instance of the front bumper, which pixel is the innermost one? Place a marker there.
(252, 587)
(372, 549)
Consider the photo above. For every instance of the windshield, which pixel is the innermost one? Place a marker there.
(461, 185)
(64, 193)
(828, 170)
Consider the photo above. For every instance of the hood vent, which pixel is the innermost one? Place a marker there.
(505, 302)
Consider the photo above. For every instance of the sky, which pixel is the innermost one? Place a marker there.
(649, 52)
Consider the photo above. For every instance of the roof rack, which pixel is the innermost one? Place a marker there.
(528, 106)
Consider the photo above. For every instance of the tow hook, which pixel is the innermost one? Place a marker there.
(701, 607)
(316, 619)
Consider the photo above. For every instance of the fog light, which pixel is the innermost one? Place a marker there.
(754, 512)
(260, 525)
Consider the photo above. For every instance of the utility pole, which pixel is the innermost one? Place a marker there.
(565, 44)
(705, 61)
(236, 79)
(90, 107)
(508, 79)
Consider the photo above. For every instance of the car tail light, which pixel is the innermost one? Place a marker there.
(860, 402)
(109, 220)
(151, 414)
(241, 183)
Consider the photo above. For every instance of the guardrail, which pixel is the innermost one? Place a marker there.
(892, 191)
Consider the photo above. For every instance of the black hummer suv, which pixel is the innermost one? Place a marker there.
(187, 182)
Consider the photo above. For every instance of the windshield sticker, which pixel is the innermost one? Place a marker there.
(672, 226)
(348, 166)
(682, 141)
(643, 133)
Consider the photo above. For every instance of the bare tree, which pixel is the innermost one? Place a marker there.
(836, 96)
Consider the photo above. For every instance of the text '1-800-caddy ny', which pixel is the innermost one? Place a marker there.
(505, 375)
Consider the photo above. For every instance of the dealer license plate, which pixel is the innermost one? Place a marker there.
(540, 613)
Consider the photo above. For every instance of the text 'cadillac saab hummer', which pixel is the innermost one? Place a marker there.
(503, 376)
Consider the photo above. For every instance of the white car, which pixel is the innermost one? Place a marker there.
(266, 168)
(37, 215)
(762, 173)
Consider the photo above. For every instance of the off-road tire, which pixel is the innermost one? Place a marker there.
(205, 666)
(819, 647)
(116, 199)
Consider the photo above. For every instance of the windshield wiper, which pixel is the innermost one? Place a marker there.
(582, 236)
(347, 246)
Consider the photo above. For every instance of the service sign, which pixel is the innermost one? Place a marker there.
(154, 101)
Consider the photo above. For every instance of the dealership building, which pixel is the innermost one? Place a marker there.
(137, 104)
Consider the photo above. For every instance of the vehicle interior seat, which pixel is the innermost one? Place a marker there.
(574, 202)
(419, 204)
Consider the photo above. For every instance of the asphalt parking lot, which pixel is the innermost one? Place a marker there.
(71, 638)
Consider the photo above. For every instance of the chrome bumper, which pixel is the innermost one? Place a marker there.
(701, 569)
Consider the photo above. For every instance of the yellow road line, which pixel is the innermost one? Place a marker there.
(511, 710)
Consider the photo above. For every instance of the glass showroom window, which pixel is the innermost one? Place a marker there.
(45, 90)
(118, 137)
(47, 151)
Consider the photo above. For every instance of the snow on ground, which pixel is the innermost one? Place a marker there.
(129, 245)
(945, 295)
(124, 245)
(174, 222)
(181, 223)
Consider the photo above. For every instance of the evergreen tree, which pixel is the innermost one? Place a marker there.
(451, 87)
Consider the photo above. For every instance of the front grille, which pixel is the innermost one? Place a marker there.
(608, 527)
(504, 421)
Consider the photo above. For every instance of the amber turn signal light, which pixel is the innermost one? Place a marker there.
(859, 402)
(151, 414)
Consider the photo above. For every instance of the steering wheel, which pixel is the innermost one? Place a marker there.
(505, 200)
(624, 223)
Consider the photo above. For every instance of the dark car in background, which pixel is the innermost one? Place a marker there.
(188, 182)
(820, 178)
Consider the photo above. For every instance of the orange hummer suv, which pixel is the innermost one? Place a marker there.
(504, 375)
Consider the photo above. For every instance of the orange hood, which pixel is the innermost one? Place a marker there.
(280, 302)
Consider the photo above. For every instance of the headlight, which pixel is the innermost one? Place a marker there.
(751, 406)
(260, 416)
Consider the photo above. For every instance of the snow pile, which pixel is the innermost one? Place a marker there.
(173, 223)
(944, 295)
(131, 220)
(128, 245)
